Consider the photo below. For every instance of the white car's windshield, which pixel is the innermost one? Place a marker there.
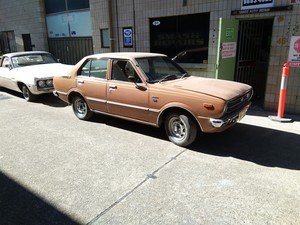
(32, 59)
(160, 69)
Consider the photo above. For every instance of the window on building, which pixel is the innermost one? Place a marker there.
(56, 6)
(78, 4)
(184, 36)
(105, 38)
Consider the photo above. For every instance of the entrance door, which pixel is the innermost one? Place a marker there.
(253, 51)
(27, 42)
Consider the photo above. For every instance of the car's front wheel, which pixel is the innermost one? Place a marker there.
(29, 97)
(81, 108)
(180, 128)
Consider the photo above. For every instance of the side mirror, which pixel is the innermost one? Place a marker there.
(9, 66)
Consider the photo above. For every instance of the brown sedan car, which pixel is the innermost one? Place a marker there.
(152, 89)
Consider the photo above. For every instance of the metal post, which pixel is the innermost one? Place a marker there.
(111, 31)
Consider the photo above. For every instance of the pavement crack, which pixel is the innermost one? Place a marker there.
(149, 176)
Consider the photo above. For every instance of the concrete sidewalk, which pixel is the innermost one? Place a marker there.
(258, 117)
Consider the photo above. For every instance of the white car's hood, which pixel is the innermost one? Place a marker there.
(43, 70)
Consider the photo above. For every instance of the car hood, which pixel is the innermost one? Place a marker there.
(44, 70)
(218, 88)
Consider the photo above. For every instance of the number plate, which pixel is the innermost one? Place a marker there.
(242, 113)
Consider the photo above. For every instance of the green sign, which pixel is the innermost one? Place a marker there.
(229, 33)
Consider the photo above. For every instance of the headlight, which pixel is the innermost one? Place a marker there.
(41, 83)
(49, 83)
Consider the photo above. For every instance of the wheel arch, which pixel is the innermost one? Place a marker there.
(73, 94)
(167, 110)
(20, 84)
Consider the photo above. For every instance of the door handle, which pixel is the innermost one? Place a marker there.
(113, 86)
(80, 81)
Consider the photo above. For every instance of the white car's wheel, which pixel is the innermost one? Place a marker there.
(180, 128)
(81, 108)
(29, 97)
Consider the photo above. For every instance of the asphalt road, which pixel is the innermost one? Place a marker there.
(56, 169)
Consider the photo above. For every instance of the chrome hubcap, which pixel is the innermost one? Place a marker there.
(81, 107)
(177, 128)
(25, 93)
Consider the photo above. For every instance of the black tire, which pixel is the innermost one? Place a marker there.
(29, 97)
(81, 108)
(180, 128)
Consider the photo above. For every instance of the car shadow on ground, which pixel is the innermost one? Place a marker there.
(51, 100)
(263, 146)
(19, 206)
(46, 99)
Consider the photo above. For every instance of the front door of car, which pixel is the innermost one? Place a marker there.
(127, 95)
(7, 75)
(91, 81)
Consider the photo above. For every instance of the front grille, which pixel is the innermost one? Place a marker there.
(236, 104)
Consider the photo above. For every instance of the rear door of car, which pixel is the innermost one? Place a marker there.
(92, 81)
(127, 94)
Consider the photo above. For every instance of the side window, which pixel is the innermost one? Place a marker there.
(99, 68)
(85, 69)
(94, 68)
(124, 71)
(5, 62)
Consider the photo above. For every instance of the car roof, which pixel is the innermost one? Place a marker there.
(25, 53)
(125, 55)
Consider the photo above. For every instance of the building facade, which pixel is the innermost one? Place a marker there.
(22, 26)
(246, 41)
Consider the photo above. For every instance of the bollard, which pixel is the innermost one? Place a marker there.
(282, 96)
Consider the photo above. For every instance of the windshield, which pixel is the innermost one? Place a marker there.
(32, 59)
(158, 69)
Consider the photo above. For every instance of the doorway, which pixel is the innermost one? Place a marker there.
(27, 42)
(253, 53)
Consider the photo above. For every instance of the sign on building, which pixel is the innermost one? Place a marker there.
(255, 4)
(294, 52)
(295, 1)
(73, 24)
(127, 37)
(228, 50)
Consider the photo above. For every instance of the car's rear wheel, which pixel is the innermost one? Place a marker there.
(180, 128)
(29, 97)
(81, 108)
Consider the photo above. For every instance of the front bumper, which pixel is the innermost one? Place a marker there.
(36, 91)
(218, 123)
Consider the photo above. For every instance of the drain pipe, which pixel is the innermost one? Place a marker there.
(111, 32)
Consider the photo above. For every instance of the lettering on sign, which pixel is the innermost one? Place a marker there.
(228, 50)
(253, 4)
(294, 51)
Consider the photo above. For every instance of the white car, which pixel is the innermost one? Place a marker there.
(30, 73)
